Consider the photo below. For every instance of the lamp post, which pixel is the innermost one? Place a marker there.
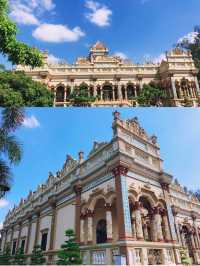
(4, 187)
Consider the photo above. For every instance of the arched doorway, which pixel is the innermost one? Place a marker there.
(60, 94)
(101, 232)
(107, 93)
(130, 92)
(147, 219)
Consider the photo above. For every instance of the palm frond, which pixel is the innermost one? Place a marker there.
(12, 118)
(11, 147)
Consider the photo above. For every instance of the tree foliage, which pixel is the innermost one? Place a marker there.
(17, 89)
(19, 258)
(37, 257)
(10, 147)
(16, 51)
(80, 96)
(185, 260)
(5, 257)
(70, 251)
(151, 95)
(194, 47)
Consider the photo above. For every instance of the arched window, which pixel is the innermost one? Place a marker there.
(107, 93)
(101, 232)
(60, 94)
(130, 92)
(146, 218)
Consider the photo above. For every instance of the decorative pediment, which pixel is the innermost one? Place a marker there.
(97, 146)
(69, 164)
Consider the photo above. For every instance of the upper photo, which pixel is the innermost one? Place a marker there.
(105, 53)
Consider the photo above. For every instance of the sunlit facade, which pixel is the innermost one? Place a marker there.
(120, 202)
(117, 82)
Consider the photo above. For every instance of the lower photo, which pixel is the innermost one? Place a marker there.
(99, 187)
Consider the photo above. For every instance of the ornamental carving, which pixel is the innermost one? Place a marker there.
(120, 170)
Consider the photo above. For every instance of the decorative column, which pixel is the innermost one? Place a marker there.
(78, 191)
(120, 92)
(54, 91)
(133, 228)
(197, 86)
(5, 241)
(122, 202)
(196, 229)
(146, 235)
(138, 221)
(113, 92)
(158, 227)
(90, 215)
(177, 226)
(65, 94)
(101, 93)
(95, 90)
(11, 239)
(166, 226)
(165, 188)
(126, 94)
(82, 229)
(123, 211)
(173, 83)
(19, 235)
(29, 234)
(37, 230)
(109, 222)
(52, 202)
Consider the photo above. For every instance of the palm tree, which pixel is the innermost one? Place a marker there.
(10, 148)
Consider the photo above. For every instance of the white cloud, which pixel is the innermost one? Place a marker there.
(3, 203)
(24, 17)
(57, 33)
(159, 59)
(53, 59)
(27, 11)
(1, 225)
(190, 37)
(31, 122)
(99, 14)
(121, 55)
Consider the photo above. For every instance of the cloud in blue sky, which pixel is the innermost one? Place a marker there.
(99, 15)
(132, 28)
(31, 122)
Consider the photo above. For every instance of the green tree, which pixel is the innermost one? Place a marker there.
(185, 260)
(19, 258)
(17, 89)
(37, 257)
(16, 51)
(152, 95)
(70, 251)
(5, 257)
(194, 47)
(80, 96)
(10, 148)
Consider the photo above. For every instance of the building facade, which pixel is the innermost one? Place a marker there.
(120, 202)
(116, 82)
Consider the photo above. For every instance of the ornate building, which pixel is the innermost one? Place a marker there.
(119, 200)
(116, 82)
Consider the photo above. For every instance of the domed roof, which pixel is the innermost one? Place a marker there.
(99, 46)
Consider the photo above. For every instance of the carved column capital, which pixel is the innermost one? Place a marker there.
(120, 170)
(137, 205)
(78, 189)
(165, 186)
(108, 206)
(89, 213)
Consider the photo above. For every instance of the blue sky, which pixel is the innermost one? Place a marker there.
(135, 28)
(47, 138)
